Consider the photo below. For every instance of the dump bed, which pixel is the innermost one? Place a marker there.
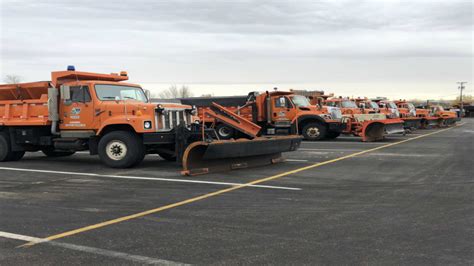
(24, 104)
(229, 101)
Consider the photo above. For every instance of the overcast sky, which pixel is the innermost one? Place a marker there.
(396, 48)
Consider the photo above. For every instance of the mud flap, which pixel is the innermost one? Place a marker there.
(218, 156)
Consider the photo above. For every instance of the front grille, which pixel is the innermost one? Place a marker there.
(171, 118)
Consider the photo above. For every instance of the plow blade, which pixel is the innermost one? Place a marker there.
(218, 156)
(376, 129)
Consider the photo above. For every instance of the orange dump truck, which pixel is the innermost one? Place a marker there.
(276, 113)
(78, 111)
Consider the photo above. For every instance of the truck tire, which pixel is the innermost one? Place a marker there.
(16, 155)
(121, 149)
(224, 131)
(332, 135)
(51, 152)
(6, 153)
(314, 131)
(5, 149)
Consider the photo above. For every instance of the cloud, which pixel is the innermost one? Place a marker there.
(231, 40)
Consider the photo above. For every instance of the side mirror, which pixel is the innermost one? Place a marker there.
(148, 95)
(65, 92)
(320, 102)
(117, 98)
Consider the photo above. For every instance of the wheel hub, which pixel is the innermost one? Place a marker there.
(116, 150)
(313, 132)
(224, 132)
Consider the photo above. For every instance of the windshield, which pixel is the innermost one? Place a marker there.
(332, 104)
(300, 101)
(106, 92)
(392, 105)
(374, 105)
(348, 104)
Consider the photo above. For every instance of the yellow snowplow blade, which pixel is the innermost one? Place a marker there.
(218, 156)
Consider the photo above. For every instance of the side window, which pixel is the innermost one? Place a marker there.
(80, 94)
(282, 102)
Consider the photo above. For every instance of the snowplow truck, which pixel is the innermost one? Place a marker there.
(276, 113)
(432, 115)
(407, 114)
(371, 126)
(100, 113)
(449, 118)
(427, 120)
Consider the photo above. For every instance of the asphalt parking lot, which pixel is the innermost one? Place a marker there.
(406, 200)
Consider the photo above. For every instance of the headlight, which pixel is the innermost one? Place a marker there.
(147, 125)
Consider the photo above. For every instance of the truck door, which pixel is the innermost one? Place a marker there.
(282, 111)
(77, 113)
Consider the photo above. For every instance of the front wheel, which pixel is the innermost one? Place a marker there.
(121, 149)
(224, 131)
(314, 131)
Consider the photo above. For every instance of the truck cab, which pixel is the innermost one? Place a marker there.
(406, 109)
(347, 106)
(389, 108)
(367, 106)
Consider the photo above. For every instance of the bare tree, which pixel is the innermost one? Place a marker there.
(175, 92)
(465, 98)
(12, 79)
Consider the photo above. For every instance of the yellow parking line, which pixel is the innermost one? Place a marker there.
(219, 192)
